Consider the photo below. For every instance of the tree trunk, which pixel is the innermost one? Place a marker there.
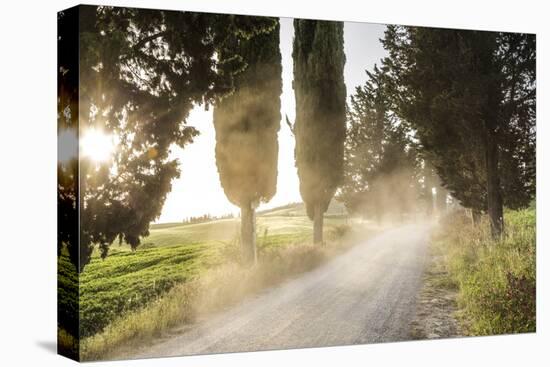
(494, 197)
(441, 196)
(317, 224)
(429, 206)
(475, 216)
(248, 235)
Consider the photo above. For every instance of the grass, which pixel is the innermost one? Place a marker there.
(496, 278)
(132, 295)
(125, 281)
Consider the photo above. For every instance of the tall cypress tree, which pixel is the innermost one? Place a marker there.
(367, 119)
(246, 124)
(380, 163)
(320, 127)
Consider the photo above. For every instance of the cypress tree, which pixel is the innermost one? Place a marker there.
(320, 128)
(246, 124)
(380, 162)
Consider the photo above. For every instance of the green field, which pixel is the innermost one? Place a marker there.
(174, 253)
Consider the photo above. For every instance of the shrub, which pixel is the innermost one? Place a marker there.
(496, 278)
(339, 231)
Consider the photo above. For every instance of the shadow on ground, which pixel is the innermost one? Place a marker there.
(48, 345)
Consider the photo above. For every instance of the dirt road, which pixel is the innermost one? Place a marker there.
(365, 295)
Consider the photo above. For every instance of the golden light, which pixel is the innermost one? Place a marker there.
(96, 145)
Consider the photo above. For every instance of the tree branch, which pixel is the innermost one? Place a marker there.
(143, 41)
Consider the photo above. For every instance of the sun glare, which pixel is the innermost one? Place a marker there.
(97, 145)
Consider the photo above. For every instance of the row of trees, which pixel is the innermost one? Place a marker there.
(449, 105)
(137, 73)
(383, 175)
(247, 123)
(470, 97)
(447, 108)
(206, 218)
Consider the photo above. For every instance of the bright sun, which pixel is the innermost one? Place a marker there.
(96, 145)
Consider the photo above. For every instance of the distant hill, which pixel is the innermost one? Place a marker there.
(335, 208)
(288, 218)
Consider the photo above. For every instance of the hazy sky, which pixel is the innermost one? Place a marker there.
(198, 190)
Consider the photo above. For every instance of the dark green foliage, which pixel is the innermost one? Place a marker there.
(380, 175)
(424, 69)
(517, 55)
(141, 72)
(320, 127)
(247, 121)
(67, 295)
(458, 90)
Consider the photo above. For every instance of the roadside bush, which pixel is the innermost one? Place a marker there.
(339, 231)
(496, 278)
